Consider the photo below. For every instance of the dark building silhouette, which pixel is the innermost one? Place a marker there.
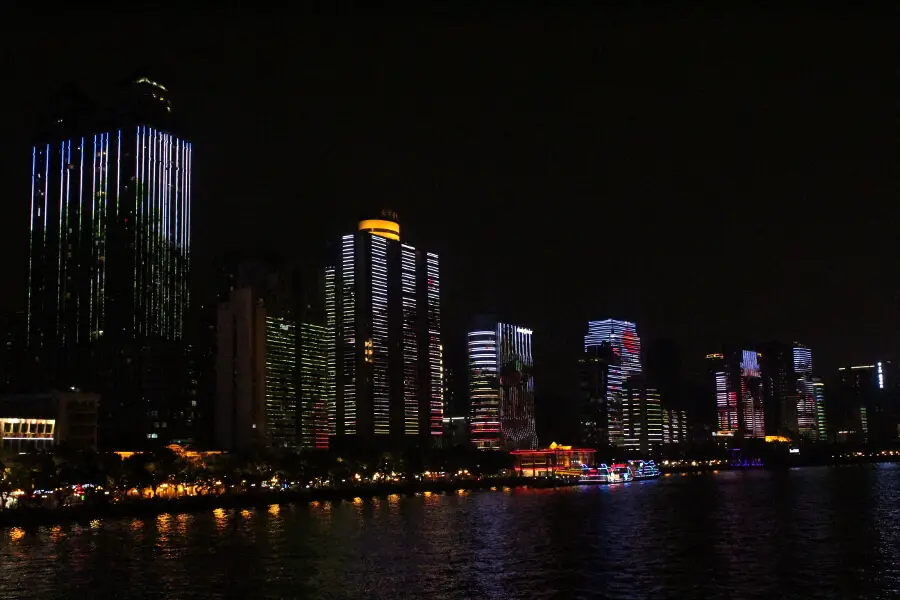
(779, 388)
(593, 368)
(866, 403)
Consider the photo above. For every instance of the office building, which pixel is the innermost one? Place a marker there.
(108, 262)
(593, 369)
(501, 386)
(384, 298)
(642, 416)
(256, 369)
(622, 338)
(674, 426)
(866, 403)
(807, 422)
(821, 421)
(776, 362)
(316, 384)
(737, 380)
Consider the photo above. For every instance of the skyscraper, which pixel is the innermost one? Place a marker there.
(821, 422)
(622, 338)
(866, 402)
(737, 381)
(642, 416)
(108, 263)
(807, 422)
(779, 388)
(593, 367)
(315, 385)
(501, 386)
(388, 354)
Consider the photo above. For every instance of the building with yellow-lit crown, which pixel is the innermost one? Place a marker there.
(382, 299)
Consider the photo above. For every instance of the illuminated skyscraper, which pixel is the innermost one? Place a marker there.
(109, 260)
(805, 393)
(642, 416)
(753, 417)
(623, 341)
(501, 386)
(388, 354)
(315, 385)
(737, 381)
(484, 388)
(821, 423)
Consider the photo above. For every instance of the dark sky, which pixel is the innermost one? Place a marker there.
(713, 177)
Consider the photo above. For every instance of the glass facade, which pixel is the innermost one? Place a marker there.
(387, 321)
(108, 272)
(315, 385)
(623, 341)
(280, 386)
(484, 389)
(435, 346)
(753, 418)
(501, 387)
(409, 307)
(806, 397)
(642, 418)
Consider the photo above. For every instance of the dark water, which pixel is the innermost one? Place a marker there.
(805, 533)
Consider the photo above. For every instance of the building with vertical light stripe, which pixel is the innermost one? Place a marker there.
(315, 385)
(383, 304)
(738, 388)
(109, 263)
(807, 422)
(501, 386)
(623, 342)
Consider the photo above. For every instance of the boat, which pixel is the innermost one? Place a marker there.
(594, 474)
(620, 473)
(644, 469)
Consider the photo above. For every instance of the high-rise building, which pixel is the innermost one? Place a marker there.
(866, 403)
(280, 357)
(821, 422)
(623, 340)
(642, 416)
(315, 384)
(593, 368)
(257, 375)
(501, 386)
(240, 372)
(738, 385)
(776, 362)
(388, 353)
(725, 397)
(109, 262)
(807, 422)
(675, 426)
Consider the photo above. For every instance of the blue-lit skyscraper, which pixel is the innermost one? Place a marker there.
(501, 386)
(109, 263)
(625, 345)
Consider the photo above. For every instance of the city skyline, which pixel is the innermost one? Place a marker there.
(484, 174)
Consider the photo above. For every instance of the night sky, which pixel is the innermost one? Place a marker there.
(717, 177)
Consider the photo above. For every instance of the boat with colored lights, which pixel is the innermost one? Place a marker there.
(644, 469)
(620, 473)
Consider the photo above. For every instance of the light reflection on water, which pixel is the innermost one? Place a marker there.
(807, 533)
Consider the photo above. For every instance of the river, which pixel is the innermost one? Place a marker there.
(824, 532)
